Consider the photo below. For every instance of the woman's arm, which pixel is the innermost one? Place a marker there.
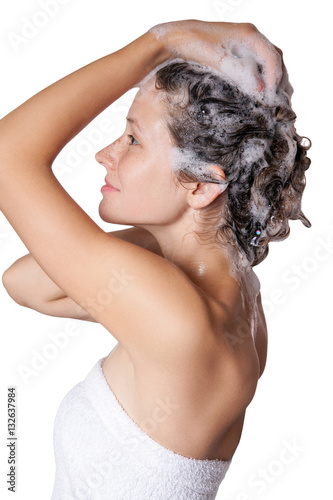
(28, 285)
(127, 289)
(42, 126)
(38, 129)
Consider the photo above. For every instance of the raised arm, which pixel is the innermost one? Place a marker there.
(44, 124)
(116, 282)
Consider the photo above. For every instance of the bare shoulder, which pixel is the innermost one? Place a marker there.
(140, 237)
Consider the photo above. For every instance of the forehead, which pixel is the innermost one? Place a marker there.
(147, 107)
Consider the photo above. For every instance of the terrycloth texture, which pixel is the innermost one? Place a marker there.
(102, 454)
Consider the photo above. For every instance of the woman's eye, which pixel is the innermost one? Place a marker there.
(133, 140)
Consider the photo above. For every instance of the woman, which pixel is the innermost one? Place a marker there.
(208, 173)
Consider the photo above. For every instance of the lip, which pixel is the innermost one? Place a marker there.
(108, 187)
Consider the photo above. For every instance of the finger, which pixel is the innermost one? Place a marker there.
(284, 83)
(272, 62)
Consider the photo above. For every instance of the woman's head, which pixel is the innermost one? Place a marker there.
(139, 165)
(212, 122)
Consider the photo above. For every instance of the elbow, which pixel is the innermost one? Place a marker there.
(5, 280)
(10, 285)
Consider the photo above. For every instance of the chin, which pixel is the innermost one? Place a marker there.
(104, 215)
(112, 218)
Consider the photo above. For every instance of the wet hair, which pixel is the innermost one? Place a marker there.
(262, 156)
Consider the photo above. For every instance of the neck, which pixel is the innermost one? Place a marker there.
(208, 266)
(204, 263)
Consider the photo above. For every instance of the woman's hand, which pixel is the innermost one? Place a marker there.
(238, 50)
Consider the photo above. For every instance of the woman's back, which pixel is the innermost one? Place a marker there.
(166, 428)
(193, 399)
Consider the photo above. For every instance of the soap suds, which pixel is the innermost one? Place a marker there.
(239, 68)
(240, 61)
(187, 161)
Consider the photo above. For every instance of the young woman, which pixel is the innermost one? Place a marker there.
(207, 173)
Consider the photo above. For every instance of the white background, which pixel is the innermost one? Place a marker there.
(292, 405)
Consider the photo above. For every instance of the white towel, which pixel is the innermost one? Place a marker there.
(102, 454)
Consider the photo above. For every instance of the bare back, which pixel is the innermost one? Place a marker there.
(194, 406)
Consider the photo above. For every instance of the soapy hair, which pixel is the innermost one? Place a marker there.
(263, 158)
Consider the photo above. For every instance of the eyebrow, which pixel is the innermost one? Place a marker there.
(135, 122)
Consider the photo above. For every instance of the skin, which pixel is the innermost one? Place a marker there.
(149, 194)
(187, 337)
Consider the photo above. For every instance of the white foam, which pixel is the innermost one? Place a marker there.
(187, 161)
(256, 69)
(253, 151)
(237, 59)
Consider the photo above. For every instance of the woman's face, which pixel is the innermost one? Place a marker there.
(139, 167)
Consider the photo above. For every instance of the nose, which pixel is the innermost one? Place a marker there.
(99, 156)
(109, 156)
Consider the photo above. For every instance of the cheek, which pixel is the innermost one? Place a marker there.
(140, 177)
(146, 194)
(164, 197)
(149, 192)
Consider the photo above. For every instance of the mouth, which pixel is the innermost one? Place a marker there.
(108, 187)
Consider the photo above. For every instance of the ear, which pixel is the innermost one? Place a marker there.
(201, 194)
